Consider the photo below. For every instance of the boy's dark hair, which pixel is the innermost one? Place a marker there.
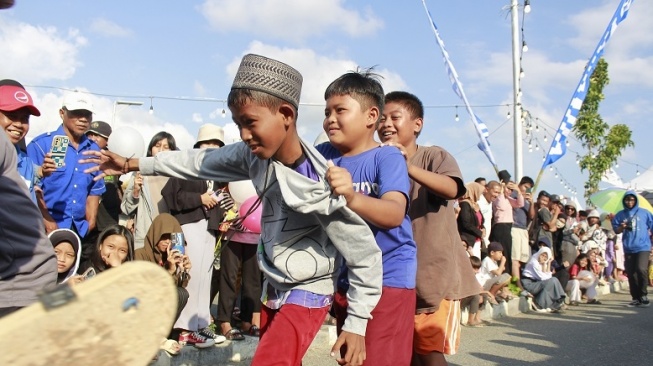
(526, 180)
(408, 100)
(479, 180)
(239, 97)
(476, 262)
(362, 85)
(494, 246)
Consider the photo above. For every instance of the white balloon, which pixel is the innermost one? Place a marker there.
(242, 190)
(127, 142)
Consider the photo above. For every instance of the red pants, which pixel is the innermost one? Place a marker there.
(287, 333)
(389, 335)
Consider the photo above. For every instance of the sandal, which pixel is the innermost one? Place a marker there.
(253, 331)
(171, 347)
(234, 334)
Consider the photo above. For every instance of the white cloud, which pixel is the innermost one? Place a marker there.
(318, 71)
(199, 89)
(132, 116)
(289, 19)
(197, 118)
(628, 51)
(108, 28)
(34, 54)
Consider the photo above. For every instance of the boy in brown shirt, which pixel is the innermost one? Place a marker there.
(444, 273)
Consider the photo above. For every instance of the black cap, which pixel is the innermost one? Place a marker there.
(504, 176)
(554, 198)
(494, 246)
(100, 128)
(544, 240)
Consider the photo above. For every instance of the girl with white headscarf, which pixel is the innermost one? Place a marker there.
(537, 278)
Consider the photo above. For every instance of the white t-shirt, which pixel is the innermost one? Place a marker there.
(486, 211)
(487, 266)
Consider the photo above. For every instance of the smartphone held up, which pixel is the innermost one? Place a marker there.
(177, 243)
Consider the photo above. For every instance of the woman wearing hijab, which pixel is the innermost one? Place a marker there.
(67, 248)
(537, 278)
(199, 206)
(470, 219)
(158, 249)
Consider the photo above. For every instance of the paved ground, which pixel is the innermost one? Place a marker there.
(608, 334)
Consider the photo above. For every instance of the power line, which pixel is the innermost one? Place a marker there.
(217, 100)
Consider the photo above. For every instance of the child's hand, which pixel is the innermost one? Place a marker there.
(174, 258)
(355, 349)
(340, 181)
(207, 200)
(112, 259)
(75, 280)
(185, 263)
(398, 146)
(138, 184)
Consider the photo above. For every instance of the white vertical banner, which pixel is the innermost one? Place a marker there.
(558, 145)
(481, 129)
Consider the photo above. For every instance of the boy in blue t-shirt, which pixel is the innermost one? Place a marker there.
(374, 182)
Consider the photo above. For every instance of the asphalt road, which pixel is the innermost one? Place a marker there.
(607, 334)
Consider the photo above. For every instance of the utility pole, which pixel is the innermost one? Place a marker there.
(516, 90)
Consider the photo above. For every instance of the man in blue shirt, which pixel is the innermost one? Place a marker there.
(636, 224)
(70, 196)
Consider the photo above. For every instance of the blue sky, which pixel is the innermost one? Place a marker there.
(164, 53)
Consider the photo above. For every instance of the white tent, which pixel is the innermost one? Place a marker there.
(643, 182)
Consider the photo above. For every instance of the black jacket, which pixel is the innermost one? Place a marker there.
(183, 200)
(468, 225)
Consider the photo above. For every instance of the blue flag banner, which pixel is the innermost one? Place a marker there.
(558, 145)
(481, 129)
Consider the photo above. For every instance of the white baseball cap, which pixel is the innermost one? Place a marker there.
(76, 101)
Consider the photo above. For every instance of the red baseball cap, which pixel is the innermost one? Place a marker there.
(13, 98)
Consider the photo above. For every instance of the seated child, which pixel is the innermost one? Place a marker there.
(581, 277)
(537, 278)
(597, 264)
(477, 302)
(158, 249)
(67, 247)
(491, 273)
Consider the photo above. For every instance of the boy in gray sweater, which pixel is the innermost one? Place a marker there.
(306, 231)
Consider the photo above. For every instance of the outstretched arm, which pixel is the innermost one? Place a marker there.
(441, 185)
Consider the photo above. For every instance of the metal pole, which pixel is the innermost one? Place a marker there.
(121, 102)
(113, 116)
(516, 108)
